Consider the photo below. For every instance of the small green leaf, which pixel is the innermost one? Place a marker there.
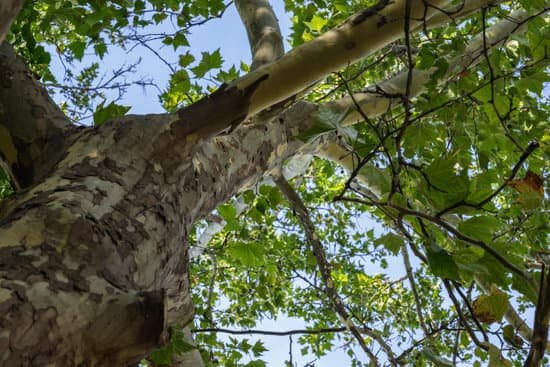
(258, 348)
(186, 59)
(159, 17)
(520, 285)
(249, 254)
(100, 49)
(256, 363)
(229, 213)
(391, 241)
(112, 110)
(180, 40)
(208, 62)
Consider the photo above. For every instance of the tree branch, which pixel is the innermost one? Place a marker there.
(262, 28)
(268, 332)
(381, 97)
(539, 340)
(352, 40)
(325, 271)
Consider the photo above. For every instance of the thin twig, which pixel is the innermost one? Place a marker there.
(324, 268)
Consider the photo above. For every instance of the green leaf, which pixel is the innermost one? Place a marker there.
(229, 213)
(258, 348)
(100, 49)
(249, 254)
(186, 59)
(317, 23)
(181, 40)
(482, 227)
(441, 263)
(159, 17)
(78, 47)
(256, 363)
(443, 177)
(41, 56)
(520, 285)
(112, 110)
(208, 62)
(392, 242)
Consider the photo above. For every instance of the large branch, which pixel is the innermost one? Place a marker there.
(279, 83)
(8, 12)
(385, 95)
(360, 35)
(262, 28)
(33, 129)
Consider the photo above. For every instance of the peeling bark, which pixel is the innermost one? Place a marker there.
(101, 245)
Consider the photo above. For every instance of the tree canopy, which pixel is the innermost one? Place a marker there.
(405, 220)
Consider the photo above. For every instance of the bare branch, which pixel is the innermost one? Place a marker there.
(262, 28)
(269, 332)
(325, 271)
(412, 283)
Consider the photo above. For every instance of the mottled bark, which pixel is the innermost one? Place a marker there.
(33, 130)
(8, 12)
(93, 260)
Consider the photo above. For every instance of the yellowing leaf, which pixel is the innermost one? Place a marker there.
(531, 183)
(491, 307)
(531, 189)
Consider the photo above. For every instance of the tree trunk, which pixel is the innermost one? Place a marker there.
(8, 12)
(93, 260)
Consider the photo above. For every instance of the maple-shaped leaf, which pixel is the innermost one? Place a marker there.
(491, 307)
(531, 183)
(530, 188)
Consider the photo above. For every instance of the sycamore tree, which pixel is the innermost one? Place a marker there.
(383, 181)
